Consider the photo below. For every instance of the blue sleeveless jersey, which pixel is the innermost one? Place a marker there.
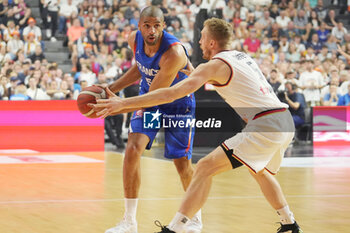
(149, 66)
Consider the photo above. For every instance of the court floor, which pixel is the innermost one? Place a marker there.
(82, 193)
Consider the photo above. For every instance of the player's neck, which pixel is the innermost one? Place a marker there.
(219, 50)
(151, 50)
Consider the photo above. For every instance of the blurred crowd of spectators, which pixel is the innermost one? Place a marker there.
(301, 46)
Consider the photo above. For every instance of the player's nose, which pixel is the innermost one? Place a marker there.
(152, 30)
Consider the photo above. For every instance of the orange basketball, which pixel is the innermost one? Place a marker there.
(89, 95)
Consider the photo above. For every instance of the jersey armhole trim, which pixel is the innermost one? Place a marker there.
(135, 46)
(175, 43)
(231, 75)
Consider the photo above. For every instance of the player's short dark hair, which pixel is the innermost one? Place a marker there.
(220, 30)
(152, 11)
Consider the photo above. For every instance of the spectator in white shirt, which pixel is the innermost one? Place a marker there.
(66, 10)
(113, 70)
(229, 10)
(87, 75)
(35, 92)
(339, 32)
(345, 78)
(7, 31)
(14, 44)
(32, 28)
(282, 20)
(195, 7)
(311, 81)
(243, 11)
(266, 21)
(30, 44)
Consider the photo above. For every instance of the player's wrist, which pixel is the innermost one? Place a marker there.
(123, 103)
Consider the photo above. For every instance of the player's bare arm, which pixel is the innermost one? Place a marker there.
(170, 64)
(131, 75)
(215, 71)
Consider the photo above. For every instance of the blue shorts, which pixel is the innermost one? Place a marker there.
(178, 141)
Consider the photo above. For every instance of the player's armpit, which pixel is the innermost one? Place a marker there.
(217, 71)
(189, 68)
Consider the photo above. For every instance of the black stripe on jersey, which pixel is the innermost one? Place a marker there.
(229, 80)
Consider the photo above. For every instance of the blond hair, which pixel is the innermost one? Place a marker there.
(220, 30)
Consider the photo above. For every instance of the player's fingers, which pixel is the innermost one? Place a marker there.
(110, 93)
(91, 105)
(94, 107)
(105, 115)
(102, 112)
(103, 86)
(97, 106)
(102, 101)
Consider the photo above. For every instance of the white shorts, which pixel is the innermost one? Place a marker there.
(262, 143)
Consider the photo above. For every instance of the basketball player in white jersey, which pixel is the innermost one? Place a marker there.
(261, 144)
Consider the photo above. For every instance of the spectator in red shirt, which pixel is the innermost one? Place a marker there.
(251, 45)
(74, 33)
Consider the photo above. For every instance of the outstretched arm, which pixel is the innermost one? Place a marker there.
(160, 96)
(213, 71)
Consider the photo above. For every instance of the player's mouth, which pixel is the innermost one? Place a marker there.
(151, 38)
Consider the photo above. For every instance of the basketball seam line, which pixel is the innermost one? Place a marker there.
(89, 113)
(91, 93)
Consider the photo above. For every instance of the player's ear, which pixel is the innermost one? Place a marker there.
(212, 43)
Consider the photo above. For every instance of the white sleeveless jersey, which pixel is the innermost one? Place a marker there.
(247, 90)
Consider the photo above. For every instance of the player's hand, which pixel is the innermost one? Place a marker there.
(105, 86)
(106, 107)
(188, 69)
(102, 85)
(110, 93)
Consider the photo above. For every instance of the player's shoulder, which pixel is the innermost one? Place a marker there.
(176, 50)
(131, 38)
(169, 41)
(174, 55)
(217, 65)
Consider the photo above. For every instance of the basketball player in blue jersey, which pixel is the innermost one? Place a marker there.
(159, 58)
(261, 144)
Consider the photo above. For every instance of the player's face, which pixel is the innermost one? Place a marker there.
(151, 29)
(205, 42)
